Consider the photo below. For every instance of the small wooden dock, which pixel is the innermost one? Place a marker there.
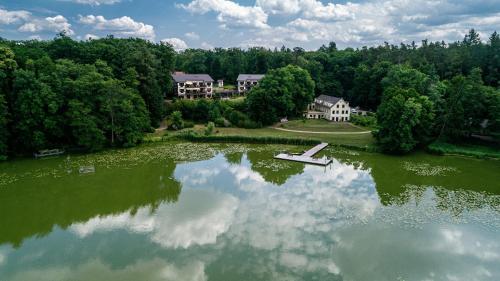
(307, 157)
(48, 153)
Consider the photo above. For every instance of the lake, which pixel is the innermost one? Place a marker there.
(181, 211)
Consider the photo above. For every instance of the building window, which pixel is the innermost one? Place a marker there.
(343, 106)
(338, 106)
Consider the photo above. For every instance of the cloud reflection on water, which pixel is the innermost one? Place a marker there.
(324, 223)
(151, 270)
(197, 219)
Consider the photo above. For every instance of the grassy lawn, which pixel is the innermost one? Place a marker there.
(354, 140)
(315, 125)
(360, 140)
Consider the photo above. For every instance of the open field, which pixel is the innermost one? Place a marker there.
(315, 125)
(355, 139)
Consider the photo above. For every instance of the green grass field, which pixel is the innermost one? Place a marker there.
(355, 139)
(315, 125)
(360, 140)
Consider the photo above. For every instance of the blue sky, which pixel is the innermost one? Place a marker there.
(246, 23)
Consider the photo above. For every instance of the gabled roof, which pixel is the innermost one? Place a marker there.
(245, 77)
(183, 77)
(328, 100)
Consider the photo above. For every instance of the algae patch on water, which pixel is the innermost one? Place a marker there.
(420, 205)
(428, 170)
(273, 165)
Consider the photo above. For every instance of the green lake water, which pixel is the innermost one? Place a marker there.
(230, 212)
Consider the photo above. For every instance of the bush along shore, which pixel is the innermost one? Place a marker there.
(192, 137)
(442, 148)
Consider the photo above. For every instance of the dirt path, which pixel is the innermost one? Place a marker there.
(325, 133)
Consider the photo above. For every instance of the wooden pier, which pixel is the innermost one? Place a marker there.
(307, 157)
(48, 153)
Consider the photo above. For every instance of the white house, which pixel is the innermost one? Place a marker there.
(192, 86)
(329, 108)
(247, 81)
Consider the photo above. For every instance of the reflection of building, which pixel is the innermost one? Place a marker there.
(247, 81)
(192, 86)
(329, 108)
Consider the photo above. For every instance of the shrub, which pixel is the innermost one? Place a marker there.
(241, 120)
(209, 129)
(176, 122)
(478, 151)
(220, 122)
(369, 121)
(249, 124)
(188, 124)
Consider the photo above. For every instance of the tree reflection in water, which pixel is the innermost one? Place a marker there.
(241, 216)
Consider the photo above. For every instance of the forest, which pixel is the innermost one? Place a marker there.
(108, 92)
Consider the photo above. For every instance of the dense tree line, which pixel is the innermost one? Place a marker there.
(354, 74)
(87, 95)
(417, 109)
(96, 93)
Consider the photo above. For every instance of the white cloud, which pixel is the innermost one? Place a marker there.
(52, 24)
(206, 46)
(29, 27)
(97, 2)
(11, 17)
(35, 37)
(91, 36)
(124, 26)
(280, 6)
(312, 23)
(309, 8)
(178, 44)
(192, 35)
(230, 14)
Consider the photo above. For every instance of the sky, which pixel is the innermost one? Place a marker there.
(246, 23)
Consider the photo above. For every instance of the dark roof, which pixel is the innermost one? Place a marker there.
(245, 77)
(329, 99)
(183, 77)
